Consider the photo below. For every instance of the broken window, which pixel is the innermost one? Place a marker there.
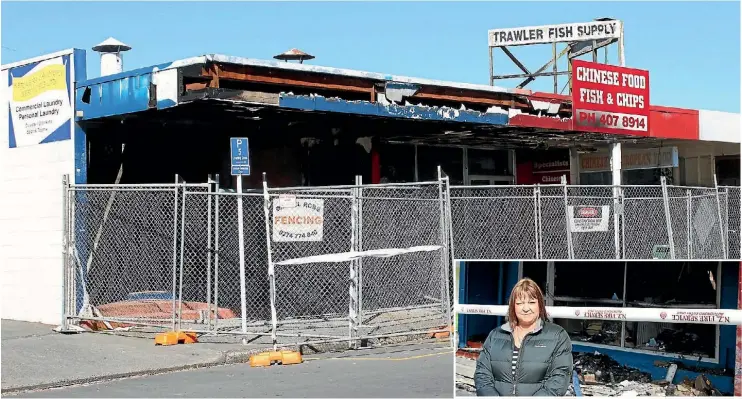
(672, 285)
(649, 285)
(397, 163)
(605, 291)
(450, 159)
(489, 162)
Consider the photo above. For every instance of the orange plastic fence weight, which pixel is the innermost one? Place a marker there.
(260, 360)
(291, 357)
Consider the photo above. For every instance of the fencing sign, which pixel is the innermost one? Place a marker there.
(298, 219)
(610, 99)
(588, 218)
(240, 151)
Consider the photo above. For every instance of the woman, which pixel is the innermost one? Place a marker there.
(528, 355)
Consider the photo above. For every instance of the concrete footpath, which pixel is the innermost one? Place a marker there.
(35, 357)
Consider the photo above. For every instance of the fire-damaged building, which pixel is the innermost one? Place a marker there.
(312, 125)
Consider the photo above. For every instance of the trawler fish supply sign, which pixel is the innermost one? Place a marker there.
(39, 99)
(596, 30)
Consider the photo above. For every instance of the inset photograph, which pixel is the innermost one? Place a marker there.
(609, 328)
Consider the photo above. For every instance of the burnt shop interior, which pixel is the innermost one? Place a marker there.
(697, 285)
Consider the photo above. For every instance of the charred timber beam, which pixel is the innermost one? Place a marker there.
(289, 78)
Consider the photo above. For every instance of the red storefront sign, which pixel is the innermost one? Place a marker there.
(610, 99)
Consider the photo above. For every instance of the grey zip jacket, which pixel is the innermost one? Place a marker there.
(544, 366)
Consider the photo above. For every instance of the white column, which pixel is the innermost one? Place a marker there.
(616, 163)
(616, 175)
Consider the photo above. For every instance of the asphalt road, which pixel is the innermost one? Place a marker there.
(419, 371)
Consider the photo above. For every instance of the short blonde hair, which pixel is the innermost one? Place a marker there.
(525, 288)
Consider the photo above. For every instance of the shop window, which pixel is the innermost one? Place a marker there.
(450, 159)
(569, 280)
(489, 162)
(649, 285)
(727, 171)
(596, 179)
(570, 289)
(629, 177)
(681, 285)
(647, 176)
(397, 163)
(536, 271)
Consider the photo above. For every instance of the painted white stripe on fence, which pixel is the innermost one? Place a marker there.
(348, 256)
(659, 315)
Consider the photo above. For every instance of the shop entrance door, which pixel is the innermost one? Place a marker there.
(485, 180)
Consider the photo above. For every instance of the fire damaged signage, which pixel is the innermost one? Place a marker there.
(610, 99)
(588, 218)
(562, 33)
(298, 219)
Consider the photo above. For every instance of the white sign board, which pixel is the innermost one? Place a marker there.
(298, 219)
(596, 30)
(588, 218)
(645, 158)
(39, 100)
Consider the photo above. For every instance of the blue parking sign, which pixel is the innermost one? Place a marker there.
(240, 156)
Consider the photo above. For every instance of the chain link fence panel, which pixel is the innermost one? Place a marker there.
(733, 224)
(168, 255)
(404, 216)
(123, 243)
(494, 222)
(594, 222)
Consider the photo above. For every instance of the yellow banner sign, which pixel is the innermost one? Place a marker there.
(51, 77)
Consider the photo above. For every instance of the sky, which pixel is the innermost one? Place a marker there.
(691, 49)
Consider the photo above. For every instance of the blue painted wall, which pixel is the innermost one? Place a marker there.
(484, 283)
(81, 174)
(322, 104)
(728, 300)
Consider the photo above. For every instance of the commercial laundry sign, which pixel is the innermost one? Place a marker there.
(588, 218)
(39, 100)
(610, 99)
(298, 219)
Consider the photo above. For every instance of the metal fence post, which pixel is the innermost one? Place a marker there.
(536, 227)
(445, 298)
(622, 225)
(359, 261)
(540, 242)
(689, 229)
(353, 286)
(451, 259)
(66, 300)
(216, 255)
(617, 219)
(175, 251)
(182, 257)
(721, 221)
(668, 219)
(208, 254)
(570, 245)
(449, 226)
(271, 270)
